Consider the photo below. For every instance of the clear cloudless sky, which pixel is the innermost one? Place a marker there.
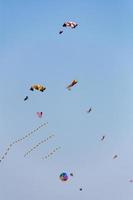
(99, 54)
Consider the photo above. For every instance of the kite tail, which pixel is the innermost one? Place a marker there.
(6, 152)
(51, 153)
(37, 145)
(20, 140)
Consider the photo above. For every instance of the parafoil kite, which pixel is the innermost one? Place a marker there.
(63, 176)
(38, 87)
(39, 114)
(72, 84)
(70, 24)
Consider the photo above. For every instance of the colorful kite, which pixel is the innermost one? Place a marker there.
(63, 176)
(38, 87)
(39, 114)
(74, 82)
(70, 24)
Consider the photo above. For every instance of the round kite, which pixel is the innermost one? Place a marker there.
(63, 176)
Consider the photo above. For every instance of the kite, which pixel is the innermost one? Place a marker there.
(88, 111)
(103, 137)
(71, 174)
(39, 114)
(38, 87)
(70, 24)
(61, 31)
(131, 180)
(72, 84)
(21, 139)
(63, 176)
(26, 98)
(115, 156)
(80, 189)
(37, 145)
(51, 153)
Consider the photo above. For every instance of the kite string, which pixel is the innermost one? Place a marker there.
(37, 145)
(21, 139)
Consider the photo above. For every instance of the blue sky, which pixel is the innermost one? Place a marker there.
(98, 53)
